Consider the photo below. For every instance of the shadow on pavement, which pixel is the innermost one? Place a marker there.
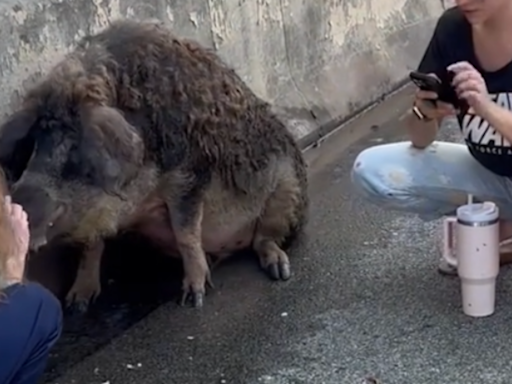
(136, 279)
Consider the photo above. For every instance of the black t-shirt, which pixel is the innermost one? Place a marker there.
(452, 42)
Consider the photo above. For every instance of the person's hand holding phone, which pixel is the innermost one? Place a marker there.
(430, 107)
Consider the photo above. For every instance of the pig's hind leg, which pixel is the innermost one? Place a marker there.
(87, 285)
(281, 219)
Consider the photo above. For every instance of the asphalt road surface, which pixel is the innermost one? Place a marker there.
(365, 303)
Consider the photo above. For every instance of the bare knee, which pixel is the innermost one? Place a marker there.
(381, 180)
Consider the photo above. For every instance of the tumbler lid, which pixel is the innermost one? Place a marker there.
(478, 212)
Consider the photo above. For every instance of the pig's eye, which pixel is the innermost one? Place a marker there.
(50, 224)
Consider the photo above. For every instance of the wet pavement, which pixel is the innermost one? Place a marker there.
(365, 304)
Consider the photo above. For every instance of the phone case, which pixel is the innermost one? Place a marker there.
(425, 82)
(445, 91)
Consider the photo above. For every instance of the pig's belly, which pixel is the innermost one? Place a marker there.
(217, 240)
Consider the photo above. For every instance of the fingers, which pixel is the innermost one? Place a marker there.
(19, 214)
(8, 206)
(470, 86)
(464, 73)
(426, 95)
(15, 211)
(24, 216)
(468, 82)
(437, 110)
(460, 67)
(463, 78)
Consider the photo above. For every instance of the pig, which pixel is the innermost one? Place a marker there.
(139, 129)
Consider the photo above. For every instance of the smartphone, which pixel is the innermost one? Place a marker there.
(426, 82)
(444, 89)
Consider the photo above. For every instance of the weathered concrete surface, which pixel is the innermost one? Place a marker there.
(448, 3)
(317, 61)
(366, 304)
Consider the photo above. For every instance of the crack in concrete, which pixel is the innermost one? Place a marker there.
(307, 102)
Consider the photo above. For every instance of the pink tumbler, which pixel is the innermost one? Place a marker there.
(478, 258)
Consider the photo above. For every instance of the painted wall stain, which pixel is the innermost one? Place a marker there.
(106, 11)
(220, 28)
(19, 14)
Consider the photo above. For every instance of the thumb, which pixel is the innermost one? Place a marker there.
(7, 240)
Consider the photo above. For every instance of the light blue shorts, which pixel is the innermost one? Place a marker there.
(431, 182)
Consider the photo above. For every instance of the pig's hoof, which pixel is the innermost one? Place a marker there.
(80, 297)
(279, 271)
(77, 307)
(195, 298)
(276, 263)
(194, 288)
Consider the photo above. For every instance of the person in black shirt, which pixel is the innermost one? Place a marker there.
(430, 178)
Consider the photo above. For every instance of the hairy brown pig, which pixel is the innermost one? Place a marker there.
(138, 128)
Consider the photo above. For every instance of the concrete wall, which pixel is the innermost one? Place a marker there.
(316, 60)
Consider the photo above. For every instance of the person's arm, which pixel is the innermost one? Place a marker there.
(471, 86)
(421, 132)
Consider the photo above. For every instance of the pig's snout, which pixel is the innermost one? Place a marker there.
(37, 243)
(40, 208)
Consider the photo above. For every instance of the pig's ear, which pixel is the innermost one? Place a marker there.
(112, 147)
(16, 146)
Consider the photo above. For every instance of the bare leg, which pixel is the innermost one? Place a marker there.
(87, 285)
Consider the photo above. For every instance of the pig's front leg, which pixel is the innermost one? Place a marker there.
(87, 285)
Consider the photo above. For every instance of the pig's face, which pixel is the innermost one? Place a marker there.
(45, 213)
(41, 190)
(69, 164)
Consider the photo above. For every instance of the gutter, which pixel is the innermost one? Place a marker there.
(313, 139)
